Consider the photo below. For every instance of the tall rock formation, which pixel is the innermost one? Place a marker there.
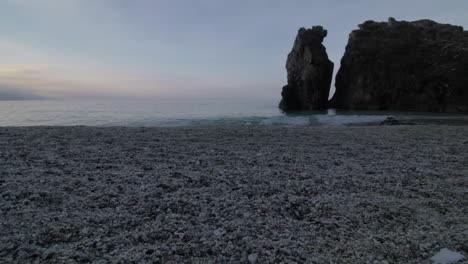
(309, 72)
(399, 65)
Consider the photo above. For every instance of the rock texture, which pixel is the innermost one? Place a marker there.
(309, 72)
(232, 194)
(400, 65)
(390, 121)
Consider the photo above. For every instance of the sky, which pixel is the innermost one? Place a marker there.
(145, 49)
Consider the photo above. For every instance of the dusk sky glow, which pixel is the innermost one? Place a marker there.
(164, 49)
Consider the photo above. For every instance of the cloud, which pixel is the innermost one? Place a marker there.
(49, 5)
(83, 82)
(9, 93)
(12, 52)
(28, 72)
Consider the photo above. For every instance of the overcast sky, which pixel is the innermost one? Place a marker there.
(174, 48)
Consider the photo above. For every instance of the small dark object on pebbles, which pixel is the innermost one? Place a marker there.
(390, 121)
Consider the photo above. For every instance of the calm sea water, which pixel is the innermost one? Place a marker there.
(176, 113)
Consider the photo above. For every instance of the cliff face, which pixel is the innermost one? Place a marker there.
(309, 72)
(411, 66)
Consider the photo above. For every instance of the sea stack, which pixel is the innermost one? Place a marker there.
(309, 72)
(408, 66)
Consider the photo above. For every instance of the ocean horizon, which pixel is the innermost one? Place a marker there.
(182, 112)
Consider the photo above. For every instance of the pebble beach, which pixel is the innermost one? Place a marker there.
(233, 194)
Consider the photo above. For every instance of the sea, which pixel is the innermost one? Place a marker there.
(180, 112)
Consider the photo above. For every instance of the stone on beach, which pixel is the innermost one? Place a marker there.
(446, 256)
(317, 194)
(390, 121)
(253, 258)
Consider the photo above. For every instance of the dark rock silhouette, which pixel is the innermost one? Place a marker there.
(390, 121)
(400, 65)
(309, 72)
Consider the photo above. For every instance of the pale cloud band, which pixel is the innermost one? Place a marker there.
(65, 82)
(176, 48)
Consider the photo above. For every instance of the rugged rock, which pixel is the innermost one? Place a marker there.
(400, 65)
(390, 121)
(309, 72)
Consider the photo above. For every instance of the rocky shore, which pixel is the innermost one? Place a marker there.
(233, 194)
(309, 72)
(400, 65)
(394, 65)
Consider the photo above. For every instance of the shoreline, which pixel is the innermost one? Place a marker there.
(233, 194)
(449, 121)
